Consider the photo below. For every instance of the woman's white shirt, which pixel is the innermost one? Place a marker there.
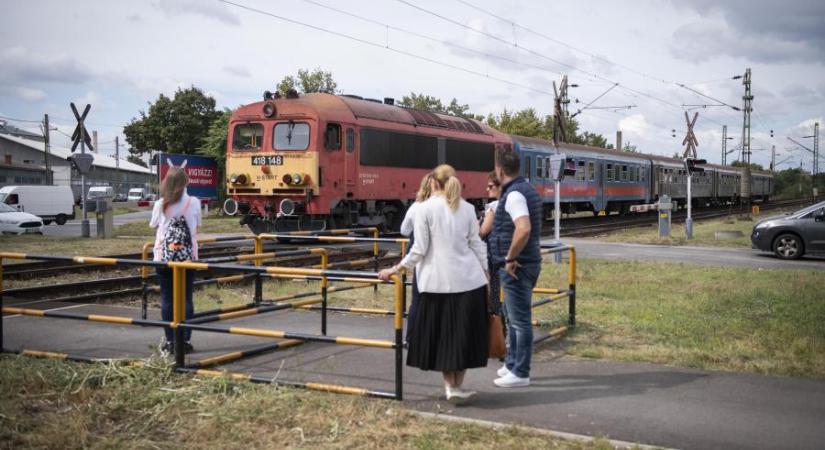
(409, 220)
(160, 220)
(448, 254)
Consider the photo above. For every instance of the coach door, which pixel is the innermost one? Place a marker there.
(350, 162)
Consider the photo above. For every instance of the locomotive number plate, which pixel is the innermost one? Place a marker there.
(268, 160)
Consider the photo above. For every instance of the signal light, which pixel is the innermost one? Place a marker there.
(287, 179)
(692, 165)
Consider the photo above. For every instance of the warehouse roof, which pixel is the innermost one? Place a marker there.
(63, 152)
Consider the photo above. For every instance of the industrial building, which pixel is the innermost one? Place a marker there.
(24, 161)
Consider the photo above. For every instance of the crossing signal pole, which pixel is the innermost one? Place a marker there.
(690, 142)
(560, 112)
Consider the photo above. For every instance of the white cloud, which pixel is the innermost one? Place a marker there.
(238, 71)
(634, 126)
(28, 94)
(23, 65)
(208, 9)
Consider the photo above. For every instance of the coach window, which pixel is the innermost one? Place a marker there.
(247, 136)
(547, 166)
(291, 136)
(539, 168)
(624, 173)
(580, 175)
(350, 140)
(609, 172)
(527, 167)
(591, 170)
(332, 138)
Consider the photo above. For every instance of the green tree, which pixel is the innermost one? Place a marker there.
(316, 80)
(525, 122)
(753, 166)
(628, 147)
(174, 125)
(593, 139)
(214, 144)
(424, 102)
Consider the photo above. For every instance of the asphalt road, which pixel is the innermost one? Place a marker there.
(72, 227)
(718, 256)
(643, 403)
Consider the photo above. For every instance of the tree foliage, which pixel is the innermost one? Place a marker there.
(433, 104)
(214, 143)
(753, 166)
(174, 125)
(315, 80)
(628, 147)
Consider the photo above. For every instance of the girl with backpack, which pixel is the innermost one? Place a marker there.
(176, 215)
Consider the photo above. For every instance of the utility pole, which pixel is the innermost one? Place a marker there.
(117, 152)
(746, 139)
(773, 158)
(724, 144)
(560, 111)
(47, 151)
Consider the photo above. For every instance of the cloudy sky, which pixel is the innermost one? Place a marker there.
(490, 54)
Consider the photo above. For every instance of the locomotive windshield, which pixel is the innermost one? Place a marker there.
(291, 136)
(248, 136)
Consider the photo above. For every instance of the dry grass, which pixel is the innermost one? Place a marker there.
(68, 246)
(211, 225)
(62, 405)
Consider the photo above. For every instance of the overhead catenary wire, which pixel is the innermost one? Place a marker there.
(385, 46)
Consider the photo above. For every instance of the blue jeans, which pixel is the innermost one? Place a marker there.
(518, 299)
(164, 277)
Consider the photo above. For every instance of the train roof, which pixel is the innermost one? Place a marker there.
(349, 108)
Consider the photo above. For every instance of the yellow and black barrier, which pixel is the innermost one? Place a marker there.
(178, 323)
(556, 294)
(233, 356)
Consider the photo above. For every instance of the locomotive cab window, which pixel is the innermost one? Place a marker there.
(290, 136)
(247, 136)
(332, 138)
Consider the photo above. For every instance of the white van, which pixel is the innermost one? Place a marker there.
(136, 194)
(51, 203)
(98, 192)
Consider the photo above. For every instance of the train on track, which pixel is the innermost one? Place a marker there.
(318, 161)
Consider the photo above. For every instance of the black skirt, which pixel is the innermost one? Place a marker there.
(449, 331)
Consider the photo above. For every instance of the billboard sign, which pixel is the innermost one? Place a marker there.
(202, 172)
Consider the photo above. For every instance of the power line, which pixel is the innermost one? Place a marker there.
(385, 46)
(533, 52)
(20, 120)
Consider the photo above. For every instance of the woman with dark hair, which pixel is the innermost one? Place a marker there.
(493, 193)
(449, 331)
(176, 215)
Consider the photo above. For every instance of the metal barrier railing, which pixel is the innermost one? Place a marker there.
(178, 323)
(556, 294)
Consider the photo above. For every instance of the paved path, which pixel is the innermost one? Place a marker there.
(644, 403)
(729, 257)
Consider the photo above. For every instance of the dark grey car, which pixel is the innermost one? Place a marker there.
(792, 235)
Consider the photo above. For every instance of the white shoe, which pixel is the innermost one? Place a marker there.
(511, 380)
(503, 371)
(458, 396)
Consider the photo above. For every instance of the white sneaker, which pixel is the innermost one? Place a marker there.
(511, 380)
(458, 396)
(503, 371)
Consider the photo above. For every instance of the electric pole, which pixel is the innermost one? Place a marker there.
(773, 158)
(560, 111)
(117, 152)
(746, 139)
(47, 151)
(724, 143)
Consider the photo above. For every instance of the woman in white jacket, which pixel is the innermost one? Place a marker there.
(449, 330)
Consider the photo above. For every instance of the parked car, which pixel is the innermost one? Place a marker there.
(49, 203)
(97, 192)
(137, 194)
(13, 221)
(792, 235)
(120, 198)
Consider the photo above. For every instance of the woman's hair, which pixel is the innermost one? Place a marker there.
(444, 176)
(425, 190)
(172, 186)
(491, 177)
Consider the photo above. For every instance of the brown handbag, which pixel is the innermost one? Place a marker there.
(497, 347)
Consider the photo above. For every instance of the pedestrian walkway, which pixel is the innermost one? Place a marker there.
(644, 403)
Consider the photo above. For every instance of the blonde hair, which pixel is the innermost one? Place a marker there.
(173, 186)
(425, 190)
(444, 176)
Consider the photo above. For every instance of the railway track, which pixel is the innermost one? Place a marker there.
(115, 287)
(593, 226)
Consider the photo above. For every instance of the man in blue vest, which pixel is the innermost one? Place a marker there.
(516, 249)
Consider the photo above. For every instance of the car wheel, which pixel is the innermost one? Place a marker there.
(788, 246)
(47, 222)
(60, 219)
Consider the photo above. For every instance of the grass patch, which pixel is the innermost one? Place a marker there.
(210, 225)
(703, 233)
(738, 319)
(56, 404)
(68, 246)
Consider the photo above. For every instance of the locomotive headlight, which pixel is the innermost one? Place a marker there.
(287, 179)
(240, 179)
(297, 179)
(269, 109)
